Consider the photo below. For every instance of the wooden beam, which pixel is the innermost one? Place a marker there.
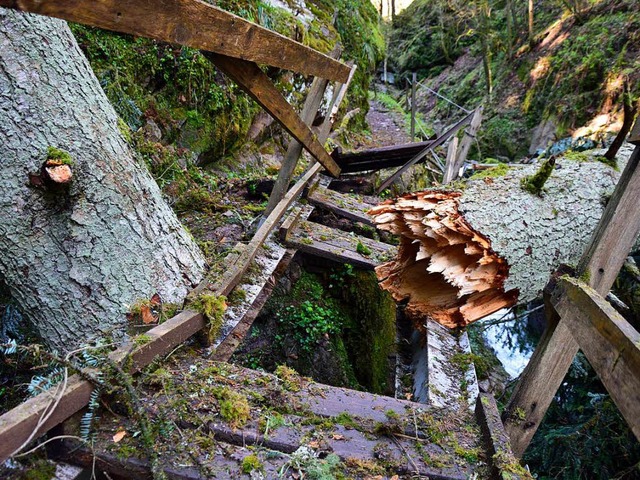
(433, 144)
(607, 250)
(234, 274)
(257, 84)
(346, 206)
(610, 343)
(17, 424)
(339, 246)
(193, 23)
(452, 153)
(466, 142)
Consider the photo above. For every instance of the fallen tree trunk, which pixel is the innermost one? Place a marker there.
(467, 253)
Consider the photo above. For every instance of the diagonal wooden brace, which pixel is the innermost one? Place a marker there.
(257, 84)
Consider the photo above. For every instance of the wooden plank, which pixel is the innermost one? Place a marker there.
(405, 150)
(235, 273)
(435, 143)
(552, 358)
(17, 424)
(610, 343)
(452, 152)
(466, 142)
(496, 440)
(338, 246)
(341, 204)
(257, 84)
(193, 23)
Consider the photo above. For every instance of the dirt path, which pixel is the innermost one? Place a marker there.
(387, 127)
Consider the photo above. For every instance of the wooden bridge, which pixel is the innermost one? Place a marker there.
(372, 435)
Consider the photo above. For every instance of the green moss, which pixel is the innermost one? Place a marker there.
(362, 249)
(213, 308)
(346, 420)
(251, 463)
(233, 406)
(499, 170)
(586, 276)
(535, 183)
(125, 131)
(141, 339)
(237, 296)
(61, 157)
(613, 163)
(39, 470)
(291, 380)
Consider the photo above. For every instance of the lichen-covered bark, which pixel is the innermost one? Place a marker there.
(535, 234)
(465, 254)
(75, 259)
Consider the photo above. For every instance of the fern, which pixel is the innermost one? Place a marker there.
(42, 383)
(89, 418)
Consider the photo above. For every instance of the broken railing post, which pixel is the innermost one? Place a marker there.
(413, 106)
(609, 246)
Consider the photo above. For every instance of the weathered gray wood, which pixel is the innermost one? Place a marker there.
(435, 143)
(341, 204)
(607, 250)
(337, 245)
(609, 342)
(193, 23)
(452, 152)
(496, 440)
(414, 80)
(467, 140)
(260, 87)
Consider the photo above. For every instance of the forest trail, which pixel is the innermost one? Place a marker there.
(387, 127)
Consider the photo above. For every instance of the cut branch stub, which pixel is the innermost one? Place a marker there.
(444, 268)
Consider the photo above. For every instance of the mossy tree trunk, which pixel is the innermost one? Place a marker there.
(74, 256)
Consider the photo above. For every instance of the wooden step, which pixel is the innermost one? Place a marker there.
(371, 434)
(339, 246)
(343, 205)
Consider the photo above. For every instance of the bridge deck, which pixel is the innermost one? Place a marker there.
(200, 430)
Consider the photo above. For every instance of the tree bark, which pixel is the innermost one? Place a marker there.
(466, 254)
(75, 257)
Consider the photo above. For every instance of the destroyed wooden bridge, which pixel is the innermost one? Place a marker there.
(372, 435)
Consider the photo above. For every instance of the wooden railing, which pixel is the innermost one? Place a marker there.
(579, 318)
(235, 45)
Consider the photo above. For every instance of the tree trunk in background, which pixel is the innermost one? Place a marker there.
(465, 254)
(531, 35)
(75, 258)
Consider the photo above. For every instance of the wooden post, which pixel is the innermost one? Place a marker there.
(601, 262)
(449, 173)
(294, 150)
(466, 142)
(413, 107)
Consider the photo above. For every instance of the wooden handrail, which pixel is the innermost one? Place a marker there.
(195, 24)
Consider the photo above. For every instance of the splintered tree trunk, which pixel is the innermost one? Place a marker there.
(466, 254)
(75, 254)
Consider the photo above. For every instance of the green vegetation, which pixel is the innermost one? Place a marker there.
(233, 406)
(499, 170)
(571, 70)
(213, 308)
(535, 183)
(59, 156)
(251, 463)
(362, 249)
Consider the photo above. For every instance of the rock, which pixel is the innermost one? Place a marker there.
(543, 135)
(151, 130)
